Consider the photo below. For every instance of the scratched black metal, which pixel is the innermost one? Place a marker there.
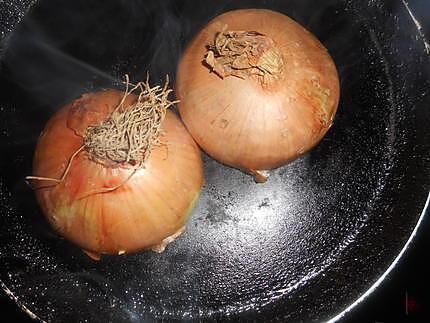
(301, 247)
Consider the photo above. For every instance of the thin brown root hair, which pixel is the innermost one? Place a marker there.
(108, 189)
(130, 132)
(55, 180)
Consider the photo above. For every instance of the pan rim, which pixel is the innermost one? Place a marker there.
(20, 305)
(364, 296)
(390, 268)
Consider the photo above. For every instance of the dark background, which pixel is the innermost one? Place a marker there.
(404, 296)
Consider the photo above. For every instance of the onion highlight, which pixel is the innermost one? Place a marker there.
(256, 90)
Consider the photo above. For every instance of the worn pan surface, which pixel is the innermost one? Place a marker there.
(304, 246)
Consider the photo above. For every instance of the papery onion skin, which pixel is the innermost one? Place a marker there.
(244, 124)
(152, 205)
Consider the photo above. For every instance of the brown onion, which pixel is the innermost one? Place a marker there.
(256, 90)
(112, 207)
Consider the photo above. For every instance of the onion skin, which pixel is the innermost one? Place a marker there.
(244, 124)
(152, 205)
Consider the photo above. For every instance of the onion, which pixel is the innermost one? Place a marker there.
(101, 196)
(256, 90)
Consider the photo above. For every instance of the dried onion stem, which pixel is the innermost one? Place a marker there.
(244, 54)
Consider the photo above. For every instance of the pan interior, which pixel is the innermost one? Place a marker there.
(301, 246)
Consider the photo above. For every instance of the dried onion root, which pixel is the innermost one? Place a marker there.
(129, 134)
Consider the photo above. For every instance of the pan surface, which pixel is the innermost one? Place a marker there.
(301, 247)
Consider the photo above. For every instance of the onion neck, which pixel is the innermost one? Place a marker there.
(245, 54)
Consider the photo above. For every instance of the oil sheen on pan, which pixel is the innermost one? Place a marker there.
(303, 246)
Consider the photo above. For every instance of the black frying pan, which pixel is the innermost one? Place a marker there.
(307, 245)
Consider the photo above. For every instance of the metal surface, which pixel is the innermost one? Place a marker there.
(301, 247)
